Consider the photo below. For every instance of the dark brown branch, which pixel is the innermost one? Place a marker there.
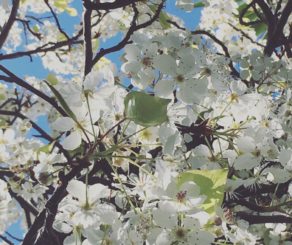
(222, 45)
(258, 219)
(87, 41)
(269, 16)
(43, 49)
(108, 6)
(215, 39)
(278, 7)
(255, 207)
(134, 27)
(275, 34)
(25, 24)
(246, 35)
(43, 133)
(41, 232)
(243, 12)
(23, 203)
(57, 21)
(7, 27)
(14, 79)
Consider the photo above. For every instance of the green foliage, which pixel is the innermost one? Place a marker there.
(260, 27)
(199, 4)
(62, 5)
(163, 17)
(51, 78)
(211, 183)
(146, 110)
(46, 148)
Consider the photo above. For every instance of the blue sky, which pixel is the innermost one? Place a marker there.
(23, 66)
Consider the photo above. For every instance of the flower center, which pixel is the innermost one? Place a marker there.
(146, 61)
(234, 97)
(180, 233)
(180, 78)
(181, 196)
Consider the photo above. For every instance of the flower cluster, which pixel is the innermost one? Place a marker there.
(186, 140)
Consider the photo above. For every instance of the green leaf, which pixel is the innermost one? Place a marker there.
(51, 78)
(199, 5)
(145, 110)
(163, 17)
(260, 28)
(62, 102)
(36, 28)
(61, 4)
(251, 15)
(241, 7)
(46, 148)
(211, 183)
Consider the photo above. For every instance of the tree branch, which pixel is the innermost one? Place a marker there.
(134, 27)
(5, 239)
(23, 203)
(7, 27)
(243, 12)
(87, 40)
(258, 219)
(43, 49)
(14, 79)
(43, 133)
(41, 232)
(276, 33)
(108, 6)
(269, 16)
(57, 21)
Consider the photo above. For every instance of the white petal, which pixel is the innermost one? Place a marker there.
(244, 74)
(132, 67)
(164, 88)
(133, 53)
(285, 156)
(72, 141)
(97, 191)
(63, 124)
(9, 135)
(187, 63)
(290, 189)
(77, 189)
(192, 91)
(165, 63)
(245, 144)
(246, 161)
(279, 175)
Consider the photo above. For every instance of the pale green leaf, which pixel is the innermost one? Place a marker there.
(211, 183)
(46, 148)
(163, 17)
(35, 28)
(51, 78)
(61, 4)
(146, 110)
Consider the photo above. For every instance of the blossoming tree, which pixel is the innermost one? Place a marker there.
(188, 141)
